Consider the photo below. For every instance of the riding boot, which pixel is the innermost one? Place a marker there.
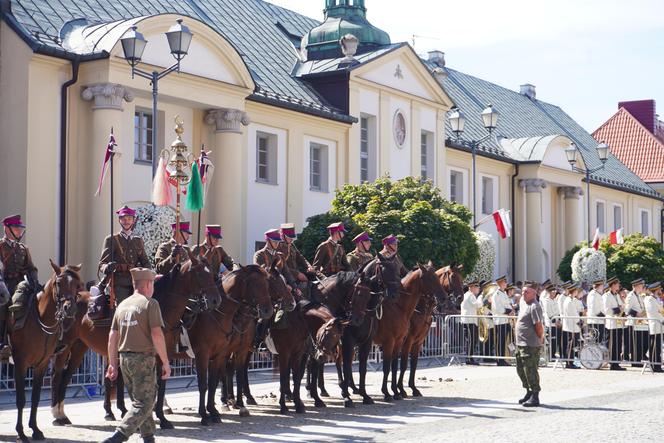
(5, 349)
(148, 438)
(525, 397)
(118, 437)
(532, 401)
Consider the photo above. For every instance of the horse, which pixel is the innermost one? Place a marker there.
(383, 278)
(395, 322)
(48, 317)
(420, 323)
(212, 333)
(452, 281)
(189, 285)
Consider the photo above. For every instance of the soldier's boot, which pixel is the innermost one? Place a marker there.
(5, 349)
(117, 437)
(533, 401)
(148, 438)
(525, 397)
(18, 299)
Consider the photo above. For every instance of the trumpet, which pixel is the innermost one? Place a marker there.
(483, 323)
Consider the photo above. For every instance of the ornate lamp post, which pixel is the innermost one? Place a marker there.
(603, 153)
(133, 44)
(179, 161)
(457, 121)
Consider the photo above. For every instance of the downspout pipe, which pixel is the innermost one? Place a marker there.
(514, 217)
(62, 222)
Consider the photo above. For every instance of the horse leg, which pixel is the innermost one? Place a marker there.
(202, 379)
(120, 394)
(241, 382)
(108, 392)
(363, 354)
(321, 380)
(402, 371)
(19, 384)
(37, 382)
(159, 405)
(230, 373)
(387, 365)
(298, 374)
(284, 372)
(414, 356)
(347, 365)
(57, 380)
(314, 368)
(395, 367)
(215, 371)
(247, 391)
(224, 386)
(76, 356)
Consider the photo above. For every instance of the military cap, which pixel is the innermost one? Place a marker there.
(598, 282)
(613, 280)
(273, 234)
(549, 287)
(566, 285)
(361, 237)
(502, 278)
(390, 240)
(336, 227)
(473, 283)
(184, 227)
(126, 211)
(654, 286)
(213, 231)
(138, 274)
(638, 281)
(510, 287)
(573, 287)
(546, 283)
(13, 221)
(288, 230)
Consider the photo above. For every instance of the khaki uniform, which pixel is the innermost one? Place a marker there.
(356, 259)
(215, 256)
(401, 269)
(133, 321)
(295, 261)
(330, 258)
(163, 260)
(17, 264)
(266, 256)
(128, 253)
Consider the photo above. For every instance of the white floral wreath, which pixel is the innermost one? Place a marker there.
(153, 225)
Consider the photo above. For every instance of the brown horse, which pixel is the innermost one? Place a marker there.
(212, 334)
(395, 322)
(34, 344)
(452, 280)
(189, 285)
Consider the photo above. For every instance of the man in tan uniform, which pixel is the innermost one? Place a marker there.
(270, 253)
(391, 250)
(330, 256)
(360, 256)
(174, 251)
(136, 333)
(122, 252)
(218, 259)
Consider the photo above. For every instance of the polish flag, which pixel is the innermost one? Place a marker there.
(596, 239)
(616, 237)
(503, 223)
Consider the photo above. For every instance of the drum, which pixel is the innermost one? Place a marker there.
(594, 356)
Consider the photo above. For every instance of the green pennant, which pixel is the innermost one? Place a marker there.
(195, 200)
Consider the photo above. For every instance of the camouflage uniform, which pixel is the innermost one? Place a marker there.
(527, 358)
(17, 264)
(140, 378)
(330, 258)
(164, 261)
(357, 259)
(127, 252)
(215, 256)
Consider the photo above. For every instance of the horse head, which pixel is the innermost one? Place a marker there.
(359, 300)
(255, 290)
(384, 276)
(279, 293)
(63, 288)
(201, 283)
(452, 281)
(328, 337)
(431, 283)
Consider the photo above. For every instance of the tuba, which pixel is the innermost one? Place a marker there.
(483, 323)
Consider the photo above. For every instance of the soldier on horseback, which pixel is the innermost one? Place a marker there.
(122, 252)
(271, 253)
(330, 256)
(297, 264)
(219, 261)
(17, 265)
(391, 250)
(360, 256)
(174, 251)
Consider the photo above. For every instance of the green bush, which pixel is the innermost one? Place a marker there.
(565, 267)
(638, 257)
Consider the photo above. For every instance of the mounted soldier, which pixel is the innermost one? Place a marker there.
(297, 264)
(219, 261)
(17, 266)
(174, 251)
(271, 253)
(391, 250)
(360, 256)
(330, 256)
(122, 252)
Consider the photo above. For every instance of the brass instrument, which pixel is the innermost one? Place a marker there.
(483, 323)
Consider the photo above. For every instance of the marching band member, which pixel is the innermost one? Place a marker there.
(472, 302)
(489, 344)
(613, 308)
(636, 337)
(552, 323)
(596, 309)
(572, 311)
(500, 307)
(655, 314)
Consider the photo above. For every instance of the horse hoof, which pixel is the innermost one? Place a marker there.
(416, 393)
(251, 401)
(367, 400)
(109, 417)
(22, 439)
(299, 408)
(283, 410)
(236, 406)
(165, 424)
(397, 397)
(348, 403)
(66, 420)
(403, 393)
(244, 412)
(57, 422)
(215, 419)
(388, 398)
(323, 393)
(356, 391)
(123, 413)
(205, 421)
(320, 404)
(38, 435)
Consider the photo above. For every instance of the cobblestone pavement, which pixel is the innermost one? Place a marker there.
(459, 404)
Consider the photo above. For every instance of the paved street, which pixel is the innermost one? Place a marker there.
(460, 404)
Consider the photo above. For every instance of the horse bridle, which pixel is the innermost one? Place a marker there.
(61, 314)
(201, 303)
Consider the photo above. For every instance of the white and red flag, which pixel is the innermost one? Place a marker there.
(107, 159)
(616, 237)
(503, 223)
(596, 239)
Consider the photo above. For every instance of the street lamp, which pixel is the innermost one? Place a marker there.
(133, 44)
(603, 153)
(457, 121)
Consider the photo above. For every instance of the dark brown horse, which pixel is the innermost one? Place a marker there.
(452, 280)
(395, 322)
(34, 344)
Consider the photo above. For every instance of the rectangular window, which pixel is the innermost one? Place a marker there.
(426, 155)
(600, 216)
(266, 158)
(143, 126)
(318, 167)
(456, 186)
(364, 149)
(617, 217)
(645, 222)
(488, 193)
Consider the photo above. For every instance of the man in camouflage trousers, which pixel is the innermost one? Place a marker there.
(219, 261)
(174, 251)
(330, 256)
(136, 333)
(122, 252)
(360, 256)
(529, 341)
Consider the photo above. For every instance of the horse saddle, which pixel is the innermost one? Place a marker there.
(98, 308)
(20, 317)
(280, 320)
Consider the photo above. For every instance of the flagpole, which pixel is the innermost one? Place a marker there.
(112, 196)
(198, 237)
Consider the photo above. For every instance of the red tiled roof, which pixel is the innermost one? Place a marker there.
(633, 145)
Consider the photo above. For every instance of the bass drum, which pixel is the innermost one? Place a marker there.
(594, 356)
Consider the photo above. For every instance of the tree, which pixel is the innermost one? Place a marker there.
(565, 267)
(428, 226)
(638, 257)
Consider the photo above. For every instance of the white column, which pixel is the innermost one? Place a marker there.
(534, 266)
(573, 217)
